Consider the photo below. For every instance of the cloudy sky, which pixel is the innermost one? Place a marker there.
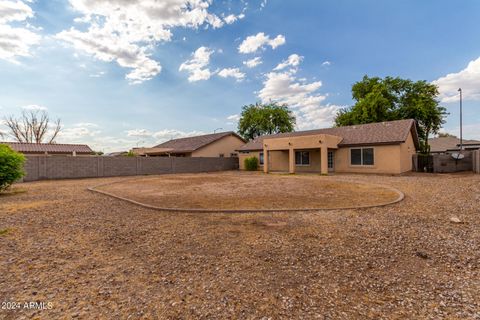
(122, 73)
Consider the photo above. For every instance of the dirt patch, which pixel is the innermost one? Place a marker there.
(227, 191)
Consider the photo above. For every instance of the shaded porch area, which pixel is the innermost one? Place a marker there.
(313, 153)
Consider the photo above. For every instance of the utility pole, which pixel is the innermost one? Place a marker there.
(461, 121)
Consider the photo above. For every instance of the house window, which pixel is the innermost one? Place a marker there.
(260, 156)
(302, 158)
(233, 155)
(330, 159)
(221, 155)
(362, 157)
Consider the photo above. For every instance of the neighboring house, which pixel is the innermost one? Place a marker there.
(385, 147)
(451, 144)
(222, 144)
(50, 148)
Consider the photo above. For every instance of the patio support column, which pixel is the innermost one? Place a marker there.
(265, 159)
(324, 160)
(291, 160)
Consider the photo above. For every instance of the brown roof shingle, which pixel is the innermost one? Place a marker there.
(190, 144)
(442, 144)
(391, 132)
(49, 147)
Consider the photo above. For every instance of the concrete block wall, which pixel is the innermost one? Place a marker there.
(68, 167)
(444, 163)
(476, 161)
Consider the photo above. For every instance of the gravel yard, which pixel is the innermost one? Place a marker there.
(95, 257)
(249, 191)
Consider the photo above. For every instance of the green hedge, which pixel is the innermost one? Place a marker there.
(251, 164)
(11, 166)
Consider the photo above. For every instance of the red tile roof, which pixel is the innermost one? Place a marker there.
(391, 132)
(191, 144)
(49, 148)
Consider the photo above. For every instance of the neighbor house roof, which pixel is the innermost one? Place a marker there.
(191, 144)
(391, 132)
(443, 144)
(49, 147)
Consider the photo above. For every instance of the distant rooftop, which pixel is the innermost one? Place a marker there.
(443, 144)
(191, 144)
(49, 148)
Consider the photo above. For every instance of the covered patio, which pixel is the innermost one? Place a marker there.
(310, 153)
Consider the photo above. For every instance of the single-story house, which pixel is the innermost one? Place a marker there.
(451, 144)
(385, 147)
(222, 144)
(50, 148)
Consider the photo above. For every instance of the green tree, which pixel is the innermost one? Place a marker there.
(388, 99)
(11, 166)
(259, 119)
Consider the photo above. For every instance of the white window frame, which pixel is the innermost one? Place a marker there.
(361, 157)
(302, 164)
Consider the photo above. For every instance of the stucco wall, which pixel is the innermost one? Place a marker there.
(407, 150)
(67, 167)
(386, 159)
(226, 146)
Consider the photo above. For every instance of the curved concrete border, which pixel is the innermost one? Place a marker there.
(400, 197)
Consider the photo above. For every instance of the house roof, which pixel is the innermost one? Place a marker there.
(442, 144)
(191, 144)
(391, 132)
(49, 147)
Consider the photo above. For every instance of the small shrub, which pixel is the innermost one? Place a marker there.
(11, 166)
(130, 154)
(251, 164)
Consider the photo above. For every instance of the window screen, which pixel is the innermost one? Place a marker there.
(302, 158)
(261, 158)
(356, 157)
(368, 156)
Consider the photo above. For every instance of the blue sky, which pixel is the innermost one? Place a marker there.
(121, 74)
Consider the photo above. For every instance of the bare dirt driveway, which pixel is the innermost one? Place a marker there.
(96, 257)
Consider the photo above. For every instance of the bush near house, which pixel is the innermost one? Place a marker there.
(251, 164)
(11, 166)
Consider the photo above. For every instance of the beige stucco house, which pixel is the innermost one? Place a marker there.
(222, 144)
(385, 147)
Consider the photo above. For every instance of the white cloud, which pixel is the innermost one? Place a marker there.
(16, 41)
(139, 133)
(79, 133)
(168, 134)
(302, 97)
(126, 31)
(98, 74)
(233, 119)
(231, 18)
(326, 63)
(197, 65)
(232, 73)
(259, 41)
(292, 61)
(468, 79)
(14, 11)
(34, 107)
(252, 63)
(109, 47)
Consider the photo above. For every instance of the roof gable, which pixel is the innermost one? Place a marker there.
(191, 144)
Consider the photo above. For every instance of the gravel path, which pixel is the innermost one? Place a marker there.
(94, 257)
